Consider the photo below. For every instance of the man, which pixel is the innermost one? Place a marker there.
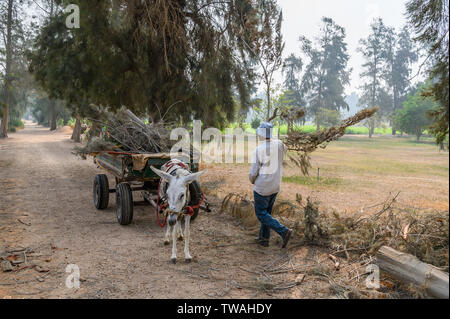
(266, 173)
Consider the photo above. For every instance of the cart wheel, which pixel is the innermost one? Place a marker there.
(101, 191)
(196, 196)
(124, 204)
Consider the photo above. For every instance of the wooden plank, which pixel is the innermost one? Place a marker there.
(409, 268)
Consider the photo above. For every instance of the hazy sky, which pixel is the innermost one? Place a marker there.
(302, 17)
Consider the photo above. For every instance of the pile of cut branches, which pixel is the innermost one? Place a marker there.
(424, 234)
(125, 131)
(305, 143)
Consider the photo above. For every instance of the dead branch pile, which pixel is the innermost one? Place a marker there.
(126, 131)
(350, 243)
(94, 145)
(305, 143)
(424, 234)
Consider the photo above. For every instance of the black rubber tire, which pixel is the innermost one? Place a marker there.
(196, 196)
(124, 204)
(101, 191)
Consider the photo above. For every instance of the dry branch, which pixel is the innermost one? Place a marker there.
(305, 143)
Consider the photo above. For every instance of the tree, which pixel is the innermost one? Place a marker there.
(8, 11)
(171, 60)
(326, 74)
(15, 81)
(375, 49)
(430, 20)
(51, 8)
(413, 118)
(267, 44)
(292, 67)
(327, 118)
(401, 54)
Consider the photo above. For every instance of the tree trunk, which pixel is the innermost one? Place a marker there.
(76, 134)
(52, 115)
(408, 268)
(268, 101)
(4, 126)
(418, 135)
(317, 124)
(95, 130)
(371, 129)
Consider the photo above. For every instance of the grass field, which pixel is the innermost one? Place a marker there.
(352, 130)
(355, 172)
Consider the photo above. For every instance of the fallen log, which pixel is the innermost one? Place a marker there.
(406, 267)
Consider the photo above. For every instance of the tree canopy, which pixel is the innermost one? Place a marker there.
(326, 74)
(171, 59)
(430, 21)
(413, 118)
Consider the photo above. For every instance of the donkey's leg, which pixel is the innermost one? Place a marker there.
(180, 231)
(167, 236)
(174, 244)
(187, 232)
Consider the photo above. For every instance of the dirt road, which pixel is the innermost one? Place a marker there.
(46, 207)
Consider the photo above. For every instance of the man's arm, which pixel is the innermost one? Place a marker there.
(254, 170)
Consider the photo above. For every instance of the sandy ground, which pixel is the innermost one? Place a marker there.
(46, 207)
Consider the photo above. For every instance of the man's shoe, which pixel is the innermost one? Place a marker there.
(286, 238)
(262, 242)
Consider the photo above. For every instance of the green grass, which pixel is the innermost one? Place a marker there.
(384, 143)
(353, 130)
(313, 181)
(361, 130)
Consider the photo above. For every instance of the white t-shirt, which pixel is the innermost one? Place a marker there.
(267, 167)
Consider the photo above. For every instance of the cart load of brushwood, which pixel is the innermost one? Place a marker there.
(125, 132)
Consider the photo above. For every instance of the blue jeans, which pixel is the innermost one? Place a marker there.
(263, 210)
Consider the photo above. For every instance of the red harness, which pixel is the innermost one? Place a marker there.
(189, 209)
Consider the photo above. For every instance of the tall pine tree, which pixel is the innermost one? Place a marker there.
(430, 20)
(400, 55)
(375, 50)
(327, 74)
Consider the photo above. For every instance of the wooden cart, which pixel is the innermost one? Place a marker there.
(129, 178)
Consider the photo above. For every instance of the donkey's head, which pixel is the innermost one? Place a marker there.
(176, 191)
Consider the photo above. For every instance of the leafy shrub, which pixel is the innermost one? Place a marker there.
(15, 123)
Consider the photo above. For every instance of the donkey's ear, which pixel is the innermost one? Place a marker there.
(194, 176)
(162, 174)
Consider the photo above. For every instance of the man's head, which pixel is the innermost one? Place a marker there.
(264, 131)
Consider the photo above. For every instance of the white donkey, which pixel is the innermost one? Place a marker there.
(177, 194)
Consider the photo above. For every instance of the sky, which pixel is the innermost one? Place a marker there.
(302, 17)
